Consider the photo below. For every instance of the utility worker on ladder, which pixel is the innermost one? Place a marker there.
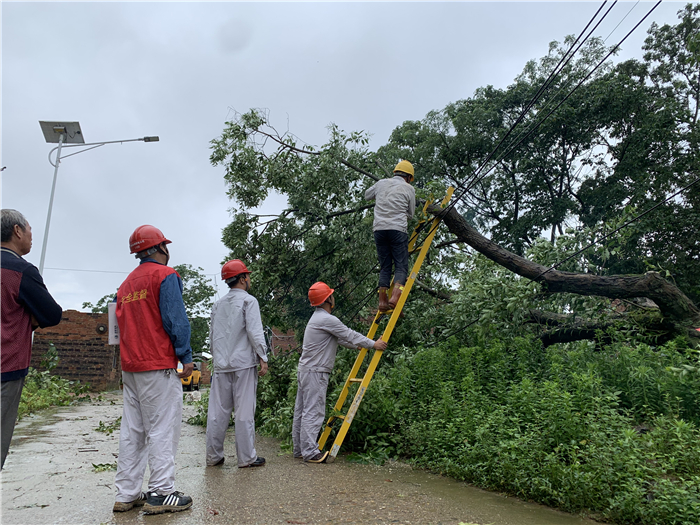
(237, 346)
(395, 204)
(321, 337)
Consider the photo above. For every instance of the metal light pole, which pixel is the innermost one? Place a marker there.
(68, 135)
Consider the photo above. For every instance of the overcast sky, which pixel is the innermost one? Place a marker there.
(179, 70)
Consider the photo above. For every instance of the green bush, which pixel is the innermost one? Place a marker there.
(43, 390)
(613, 433)
(202, 406)
(578, 430)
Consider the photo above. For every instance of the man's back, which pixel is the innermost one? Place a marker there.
(321, 337)
(236, 331)
(144, 343)
(395, 203)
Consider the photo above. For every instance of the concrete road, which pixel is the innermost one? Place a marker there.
(49, 478)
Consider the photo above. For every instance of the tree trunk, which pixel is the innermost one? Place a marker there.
(672, 303)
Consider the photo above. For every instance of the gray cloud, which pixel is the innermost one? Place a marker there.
(125, 70)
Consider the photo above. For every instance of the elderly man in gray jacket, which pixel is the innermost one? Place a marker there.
(321, 338)
(237, 346)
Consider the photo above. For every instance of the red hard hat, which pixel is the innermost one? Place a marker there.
(145, 237)
(233, 268)
(319, 292)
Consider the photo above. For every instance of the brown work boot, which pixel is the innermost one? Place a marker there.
(395, 295)
(383, 300)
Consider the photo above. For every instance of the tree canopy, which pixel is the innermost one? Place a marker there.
(580, 163)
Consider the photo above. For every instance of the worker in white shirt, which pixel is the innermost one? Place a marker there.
(395, 204)
(237, 347)
(323, 334)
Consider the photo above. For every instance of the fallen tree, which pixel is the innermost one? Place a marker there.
(678, 313)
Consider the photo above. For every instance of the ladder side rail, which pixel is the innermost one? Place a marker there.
(347, 421)
(416, 230)
(343, 396)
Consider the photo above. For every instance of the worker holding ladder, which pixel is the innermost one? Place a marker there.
(323, 334)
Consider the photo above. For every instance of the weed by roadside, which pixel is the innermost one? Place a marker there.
(43, 390)
(202, 406)
(104, 467)
(109, 427)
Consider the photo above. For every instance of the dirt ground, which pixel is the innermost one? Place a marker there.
(49, 478)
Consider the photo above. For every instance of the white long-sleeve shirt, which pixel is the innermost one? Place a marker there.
(236, 333)
(396, 203)
(321, 338)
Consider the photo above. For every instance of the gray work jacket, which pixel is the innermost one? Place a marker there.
(236, 333)
(321, 338)
(396, 203)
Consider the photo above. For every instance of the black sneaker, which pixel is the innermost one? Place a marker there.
(123, 506)
(321, 457)
(259, 462)
(174, 502)
(218, 463)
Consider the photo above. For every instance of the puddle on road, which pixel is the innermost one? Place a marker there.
(49, 478)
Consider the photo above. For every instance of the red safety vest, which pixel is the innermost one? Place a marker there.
(144, 343)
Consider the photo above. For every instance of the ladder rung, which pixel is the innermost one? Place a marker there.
(356, 380)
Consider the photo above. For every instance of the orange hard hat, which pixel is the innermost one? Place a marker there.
(319, 292)
(145, 237)
(233, 268)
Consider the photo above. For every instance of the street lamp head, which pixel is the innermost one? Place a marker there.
(151, 139)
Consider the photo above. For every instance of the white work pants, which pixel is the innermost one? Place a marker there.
(150, 432)
(309, 412)
(232, 391)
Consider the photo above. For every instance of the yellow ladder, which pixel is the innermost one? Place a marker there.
(395, 313)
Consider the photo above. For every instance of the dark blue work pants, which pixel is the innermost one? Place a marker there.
(392, 249)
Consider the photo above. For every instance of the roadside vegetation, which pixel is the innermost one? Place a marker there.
(610, 432)
(43, 390)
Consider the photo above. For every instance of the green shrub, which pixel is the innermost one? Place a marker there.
(43, 390)
(613, 433)
(202, 407)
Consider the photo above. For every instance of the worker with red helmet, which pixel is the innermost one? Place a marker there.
(237, 346)
(154, 334)
(321, 338)
(395, 204)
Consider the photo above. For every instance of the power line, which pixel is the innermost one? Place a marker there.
(535, 127)
(563, 62)
(471, 184)
(538, 124)
(83, 270)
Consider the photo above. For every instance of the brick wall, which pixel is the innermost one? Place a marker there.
(282, 343)
(84, 355)
(206, 374)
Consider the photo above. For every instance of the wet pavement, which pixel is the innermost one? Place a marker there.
(49, 478)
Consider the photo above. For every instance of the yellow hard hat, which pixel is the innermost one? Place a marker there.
(405, 167)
